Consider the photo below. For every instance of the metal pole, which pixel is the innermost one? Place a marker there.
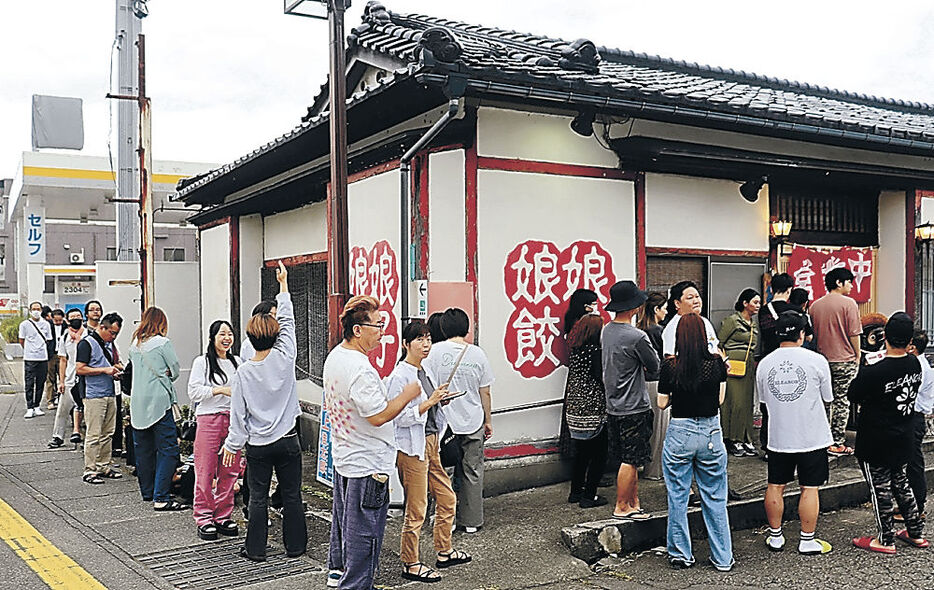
(146, 271)
(339, 255)
(128, 26)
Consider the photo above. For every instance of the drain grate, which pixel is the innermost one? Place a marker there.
(215, 566)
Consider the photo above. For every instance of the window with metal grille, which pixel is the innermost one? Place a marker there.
(924, 287)
(827, 217)
(664, 271)
(308, 286)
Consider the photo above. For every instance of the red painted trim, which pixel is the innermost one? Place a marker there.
(296, 260)
(656, 251)
(470, 205)
(235, 274)
(520, 450)
(372, 171)
(641, 257)
(446, 148)
(214, 223)
(912, 214)
(536, 167)
(423, 235)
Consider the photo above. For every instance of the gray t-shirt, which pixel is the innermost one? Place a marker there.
(628, 358)
(431, 422)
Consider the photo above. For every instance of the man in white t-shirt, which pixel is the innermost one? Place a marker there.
(469, 416)
(795, 383)
(363, 445)
(34, 334)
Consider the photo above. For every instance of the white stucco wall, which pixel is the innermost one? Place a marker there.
(251, 263)
(300, 231)
(536, 136)
(927, 210)
(513, 208)
(691, 212)
(890, 261)
(215, 274)
(446, 220)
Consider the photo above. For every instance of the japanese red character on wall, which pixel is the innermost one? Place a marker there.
(539, 279)
(374, 273)
(808, 267)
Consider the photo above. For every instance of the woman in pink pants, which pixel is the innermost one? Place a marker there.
(208, 388)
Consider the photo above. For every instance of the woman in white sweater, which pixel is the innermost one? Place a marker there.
(209, 391)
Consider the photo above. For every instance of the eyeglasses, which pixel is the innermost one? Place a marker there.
(114, 334)
(380, 325)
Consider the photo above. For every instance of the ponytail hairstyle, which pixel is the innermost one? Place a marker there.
(647, 318)
(745, 297)
(411, 332)
(216, 374)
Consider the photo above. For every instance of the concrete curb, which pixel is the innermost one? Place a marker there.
(591, 541)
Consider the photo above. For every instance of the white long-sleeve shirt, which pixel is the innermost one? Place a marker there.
(201, 388)
(263, 398)
(409, 425)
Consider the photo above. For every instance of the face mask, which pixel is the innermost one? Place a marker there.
(75, 323)
(35, 313)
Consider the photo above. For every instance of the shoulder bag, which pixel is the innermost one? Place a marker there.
(737, 368)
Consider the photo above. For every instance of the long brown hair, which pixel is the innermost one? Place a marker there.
(690, 350)
(652, 303)
(586, 330)
(152, 323)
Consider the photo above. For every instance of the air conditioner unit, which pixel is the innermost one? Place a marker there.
(76, 257)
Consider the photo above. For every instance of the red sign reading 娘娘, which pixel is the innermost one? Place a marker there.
(808, 268)
(539, 279)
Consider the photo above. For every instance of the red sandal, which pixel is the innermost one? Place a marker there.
(866, 543)
(919, 543)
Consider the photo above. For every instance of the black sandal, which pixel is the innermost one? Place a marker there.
(423, 574)
(172, 506)
(112, 474)
(92, 478)
(227, 528)
(454, 557)
(207, 532)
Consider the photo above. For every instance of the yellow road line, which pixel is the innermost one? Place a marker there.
(54, 567)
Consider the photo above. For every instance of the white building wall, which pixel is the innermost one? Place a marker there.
(692, 212)
(251, 263)
(927, 210)
(890, 261)
(513, 208)
(447, 244)
(536, 136)
(296, 232)
(215, 274)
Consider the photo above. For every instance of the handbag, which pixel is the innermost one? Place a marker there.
(448, 449)
(737, 368)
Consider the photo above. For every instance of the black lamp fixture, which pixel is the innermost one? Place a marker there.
(750, 189)
(924, 233)
(582, 124)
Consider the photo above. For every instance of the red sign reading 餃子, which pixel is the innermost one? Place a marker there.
(539, 279)
(809, 266)
(374, 273)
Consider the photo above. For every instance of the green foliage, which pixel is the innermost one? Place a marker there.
(9, 328)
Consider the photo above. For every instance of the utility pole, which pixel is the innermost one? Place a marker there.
(338, 241)
(146, 265)
(128, 27)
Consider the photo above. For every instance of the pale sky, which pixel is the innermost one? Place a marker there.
(227, 76)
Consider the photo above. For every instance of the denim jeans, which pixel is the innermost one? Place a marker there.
(156, 458)
(285, 456)
(357, 527)
(694, 448)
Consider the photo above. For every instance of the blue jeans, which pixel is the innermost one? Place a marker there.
(156, 458)
(694, 448)
(358, 520)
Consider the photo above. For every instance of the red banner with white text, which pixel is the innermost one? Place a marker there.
(809, 266)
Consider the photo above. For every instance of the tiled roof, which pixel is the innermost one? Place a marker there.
(493, 58)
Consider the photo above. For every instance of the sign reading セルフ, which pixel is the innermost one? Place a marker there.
(539, 278)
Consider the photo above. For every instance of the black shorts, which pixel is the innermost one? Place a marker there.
(811, 466)
(629, 437)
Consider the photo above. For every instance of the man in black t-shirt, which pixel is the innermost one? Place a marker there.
(768, 316)
(886, 392)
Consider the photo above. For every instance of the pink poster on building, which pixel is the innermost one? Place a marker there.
(809, 266)
(374, 273)
(539, 279)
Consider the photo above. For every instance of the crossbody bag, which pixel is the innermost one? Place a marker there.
(737, 368)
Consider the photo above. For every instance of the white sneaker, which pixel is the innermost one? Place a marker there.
(30, 413)
(471, 529)
(38, 412)
(775, 543)
(334, 578)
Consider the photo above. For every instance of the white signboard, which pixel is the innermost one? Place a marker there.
(69, 288)
(34, 234)
(418, 297)
(9, 304)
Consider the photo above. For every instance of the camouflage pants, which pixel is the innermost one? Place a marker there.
(841, 374)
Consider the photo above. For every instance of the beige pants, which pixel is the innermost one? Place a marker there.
(418, 477)
(100, 416)
(51, 382)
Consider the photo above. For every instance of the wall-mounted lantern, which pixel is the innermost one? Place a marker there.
(924, 232)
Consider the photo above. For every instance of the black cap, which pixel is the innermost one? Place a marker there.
(625, 295)
(789, 326)
(899, 329)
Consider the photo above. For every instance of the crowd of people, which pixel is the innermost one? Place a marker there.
(659, 388)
